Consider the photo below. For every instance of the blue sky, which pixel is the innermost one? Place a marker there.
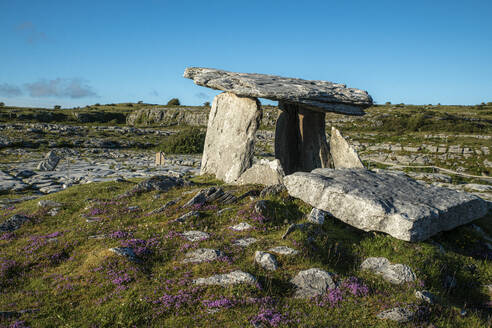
(75, 53)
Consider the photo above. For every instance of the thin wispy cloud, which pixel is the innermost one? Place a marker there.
(10, 90)
(60, 88)
(31, 33)
(154, 93)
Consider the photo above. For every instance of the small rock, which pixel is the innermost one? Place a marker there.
(245, 242)
(49, 163)
(266, 260)
(283, 250)
(187, 216)
(199, 199)
(312, 282)
(222, 211)
(317, 216)
(54, 211)
(261, 207)
(232, 278)
(398, 314)
(202, 255)
(164, 207)
(242, 226)
(195, 235)
(13, 223)
(48, 203)
(126, 252)
(393, 273)
(425, 296)
(291, 228)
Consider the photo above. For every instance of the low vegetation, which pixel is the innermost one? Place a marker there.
(60, 269)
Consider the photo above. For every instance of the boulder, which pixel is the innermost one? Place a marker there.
(13, 223)
(398, 314)
(342, 153)
(50, 162)
(318, 95)
(393, 273)
(312, 282)
(242, 226)
(283, 250)
(232, 278)
(266, 260)
(202, 255)
(245, 242)
(317, 216)
(232, 124)
(195, 235)
(385, 201)
(267, 173)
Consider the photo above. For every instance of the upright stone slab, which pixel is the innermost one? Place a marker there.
(159, 158)
(229, 142)
(386, 201)
(300, 139)
(343, 154)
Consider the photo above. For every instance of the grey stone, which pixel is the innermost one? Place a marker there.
(266, 260)
(265, 172)
(312, 282)
(261, 207)
(398, 314)
(242, 226)
(54, 211)
(425, 296)
(291, 228)
(393, 273)
(125, 252)
(342, 153)
(50, 162)
(317, 216)
(187, 216)
(318, 95)
(202, 255)
(232, 278)
(48, 203)
(245, 242)
(13, 223)
(164, 207)
(195, 235)
(199, 199)
(159, 183)
(385, 201)
(228, 149)
(283, 250)
(9, 183)
(273, 190)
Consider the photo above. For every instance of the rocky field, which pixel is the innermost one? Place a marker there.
(94, 234)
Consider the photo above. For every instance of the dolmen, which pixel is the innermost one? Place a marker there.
(300, 138)
(328, 176)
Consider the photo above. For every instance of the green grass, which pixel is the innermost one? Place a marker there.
(69, 280)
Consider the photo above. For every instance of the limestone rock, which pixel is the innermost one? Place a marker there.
(267, 173)
(317, 216)
(126, 252)
(393, 273)
(283, 250)
(50, 162)
(187, 216)
(342, 153)
(319, 95)
(245, 242)
(48, 203)
(398, 314)
(232, 124)
(385, 201)
(312, 282)
(425, 296)
(159, 183)
(194, 235)
(9, 183)
(202, 255)
(232, 278)
(13, 223)
(273, 190)
(266, 260)
(242, 226)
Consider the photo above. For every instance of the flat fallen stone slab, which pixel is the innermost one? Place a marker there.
(202, 255)
(394, 273)
(195, 235)
(283, 250)
(317, 95)
(232, 278)
(385, 201)
(312, 282)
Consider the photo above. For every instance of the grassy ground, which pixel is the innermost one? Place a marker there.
(53, 266)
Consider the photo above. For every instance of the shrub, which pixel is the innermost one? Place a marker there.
(388, 103)
(140, 102)
(97, 104)
(57, 107)
(173, 102)
(206, 104)
(2, 104)
(187, 141)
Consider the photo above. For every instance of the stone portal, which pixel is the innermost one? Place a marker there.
(300, 139)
